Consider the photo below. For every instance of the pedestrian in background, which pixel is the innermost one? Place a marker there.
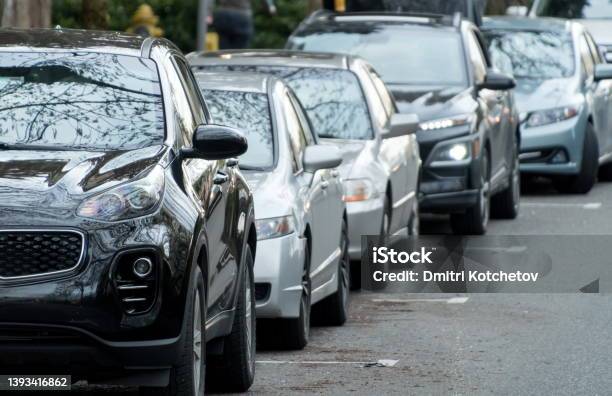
(233, 21)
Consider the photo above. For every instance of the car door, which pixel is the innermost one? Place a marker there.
(332, 185)
(494, 103)
(314, 189)
(602, 100)
(210, 180)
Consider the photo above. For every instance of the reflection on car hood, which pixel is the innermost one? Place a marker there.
(271, 194)
(430, 102)
(353, 152)
(538, 94)
(601, 29)
(62, 179)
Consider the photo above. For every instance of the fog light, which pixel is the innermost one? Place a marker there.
(458, 152)
(142, 267)
(559, 158)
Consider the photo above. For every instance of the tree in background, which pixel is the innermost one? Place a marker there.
(26, 13)
(95, 14)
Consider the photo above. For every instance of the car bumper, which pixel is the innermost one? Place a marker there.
(364, 218)
(278, 276)
(554, 149)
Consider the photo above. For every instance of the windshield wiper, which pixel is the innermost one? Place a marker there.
(30, 147)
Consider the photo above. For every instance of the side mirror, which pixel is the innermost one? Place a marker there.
(215, 142)
(603, 72)
(402, 125)
(519, 11)
(497, 81)
(321, 157)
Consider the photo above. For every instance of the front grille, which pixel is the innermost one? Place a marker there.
(26, 253)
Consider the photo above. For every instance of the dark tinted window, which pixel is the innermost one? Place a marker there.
(428, 6)
(532, 54)
(250, 113)
(575, 9)
(399, 55)
(80, 101)
(332, 99)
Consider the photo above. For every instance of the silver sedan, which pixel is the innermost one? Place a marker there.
(349, 107)
(302, 248)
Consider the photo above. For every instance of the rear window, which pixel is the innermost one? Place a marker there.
(80, 101)
(332, 98)
(250, 113)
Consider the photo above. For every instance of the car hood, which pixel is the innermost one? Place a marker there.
(272, 196)
(62, 179)
(431, 102)
(538, 94)
(600, 29)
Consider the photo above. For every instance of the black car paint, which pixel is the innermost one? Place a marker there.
(197, 222)
(496, 125)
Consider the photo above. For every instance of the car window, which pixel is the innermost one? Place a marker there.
(332, 98)
(250, 113)
(477, 58)
(532, 54)
(598, 9)
(308, 134)
(593, 48)
(436, 56)
(80, 101)
(585, 54)
(297, 136)
(193, 92)
(377, 108)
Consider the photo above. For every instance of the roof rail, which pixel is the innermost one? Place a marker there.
(319, 13)
(440, 18)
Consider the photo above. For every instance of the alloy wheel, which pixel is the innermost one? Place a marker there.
(197, 342)
(249, 319)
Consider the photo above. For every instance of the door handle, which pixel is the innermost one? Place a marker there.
(220, 178)
(335, 173)
(324, 185)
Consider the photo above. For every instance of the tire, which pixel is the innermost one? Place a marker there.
(333, 310)
(296, 332)
(584, 181)
(414, 225)
(234, 371)
(506, 204)
(474, 221)
(185, 377)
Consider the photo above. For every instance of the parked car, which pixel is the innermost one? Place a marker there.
(563, 95)
(470, 9)
(349, 107)
(302, 252)
(439, 69)
(595, 15)
(127, 240)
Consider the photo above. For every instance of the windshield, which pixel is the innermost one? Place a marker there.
(575, 9)
(332, 99)
(79, 101)
(250, 113)
(537, 55)
(428, 57)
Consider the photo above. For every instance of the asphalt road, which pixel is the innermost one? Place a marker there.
(483, 344)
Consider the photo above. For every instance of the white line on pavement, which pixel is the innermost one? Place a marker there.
(452, 300)
(587, 206)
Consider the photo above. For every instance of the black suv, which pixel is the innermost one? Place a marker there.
(127, 238)
(438, 67)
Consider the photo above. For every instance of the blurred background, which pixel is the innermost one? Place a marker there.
(175, 19)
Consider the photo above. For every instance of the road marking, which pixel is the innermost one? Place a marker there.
(452, 300)
(379, 363)
(587, 206)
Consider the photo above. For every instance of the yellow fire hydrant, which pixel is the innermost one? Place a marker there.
(144, 22)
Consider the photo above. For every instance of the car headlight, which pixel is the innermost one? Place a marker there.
(453, 152)
(274, 227)
(449, 122)
(127, 201)
(551, 116)
(356, 190)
